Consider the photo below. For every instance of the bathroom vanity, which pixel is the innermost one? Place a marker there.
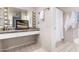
(17, 28)
(13, 39)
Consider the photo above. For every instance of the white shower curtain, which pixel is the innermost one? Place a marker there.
(67, 23)
(73, 19)
(70, 21)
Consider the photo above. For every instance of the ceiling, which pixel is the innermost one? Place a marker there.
(69, 9)
(65, 9)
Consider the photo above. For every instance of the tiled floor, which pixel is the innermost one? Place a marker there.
(67, 47)
(61, 47)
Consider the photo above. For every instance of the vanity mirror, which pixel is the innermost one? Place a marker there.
(18, 17)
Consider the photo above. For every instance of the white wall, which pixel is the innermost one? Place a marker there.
(47, 27)
(44, 34)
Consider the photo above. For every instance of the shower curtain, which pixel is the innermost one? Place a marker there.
(70, 21)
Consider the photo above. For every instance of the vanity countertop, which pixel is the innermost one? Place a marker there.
(17, 33)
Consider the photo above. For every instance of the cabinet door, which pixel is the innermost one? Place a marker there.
(59, 25)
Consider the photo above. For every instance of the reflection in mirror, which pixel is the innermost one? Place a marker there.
(17, 17)
(1, 19)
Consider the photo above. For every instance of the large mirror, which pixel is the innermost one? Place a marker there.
(17, 17)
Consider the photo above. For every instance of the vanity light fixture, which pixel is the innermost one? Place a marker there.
(5, 25)
(6, 21)
(5, 18)
(5, 13)
(5, 9)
